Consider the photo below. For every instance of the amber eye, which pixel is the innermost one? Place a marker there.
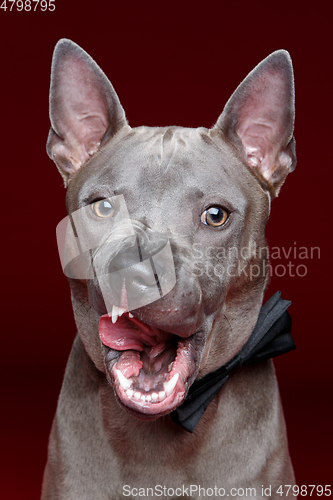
(103, 208)
(214, 216)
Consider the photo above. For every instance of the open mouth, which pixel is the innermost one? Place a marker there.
(151, 368)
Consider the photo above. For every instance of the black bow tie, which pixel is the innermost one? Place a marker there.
(271, 337)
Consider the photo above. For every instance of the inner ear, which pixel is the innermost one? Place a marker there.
(84, 109)
(259, 119)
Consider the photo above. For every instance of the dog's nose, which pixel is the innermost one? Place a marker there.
(126, 258)
(141, 252)
(139, 274)
(142, 273)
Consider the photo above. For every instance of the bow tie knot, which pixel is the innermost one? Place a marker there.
(270, 337)
(234, 365)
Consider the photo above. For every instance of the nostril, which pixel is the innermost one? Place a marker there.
(140, 280)
(144, 278)
(124, 260)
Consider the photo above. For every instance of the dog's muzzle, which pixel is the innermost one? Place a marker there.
(133, 265)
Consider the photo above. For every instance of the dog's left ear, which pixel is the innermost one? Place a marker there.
(84, 108)
(259, 117)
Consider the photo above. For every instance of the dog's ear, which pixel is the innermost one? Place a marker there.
(259, 117)
(84, 109)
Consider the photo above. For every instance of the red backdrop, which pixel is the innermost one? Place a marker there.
(174, 62)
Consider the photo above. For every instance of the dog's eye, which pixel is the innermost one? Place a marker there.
(103, 208)
(214, 216)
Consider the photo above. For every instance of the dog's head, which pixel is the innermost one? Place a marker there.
(170, 261)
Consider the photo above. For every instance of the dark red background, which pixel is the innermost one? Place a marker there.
(174, 62)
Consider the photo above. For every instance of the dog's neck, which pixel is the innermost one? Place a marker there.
(230, 331)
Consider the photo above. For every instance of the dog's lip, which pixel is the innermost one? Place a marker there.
(139, 405)
(145, 393)
(130, 333)
(157, 401)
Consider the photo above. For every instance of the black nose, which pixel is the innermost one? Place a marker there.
(127, 258)
(146, 246)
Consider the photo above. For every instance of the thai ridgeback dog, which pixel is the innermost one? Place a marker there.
(163, 293)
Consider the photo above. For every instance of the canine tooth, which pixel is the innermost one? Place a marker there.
(130, 315)
(161, 395)
(148, 398)
(114, 314)
(123, 381)
(117, 312)
(154, 396)
(170, 366)
(171, 384)
(137, 395)
(129, 392)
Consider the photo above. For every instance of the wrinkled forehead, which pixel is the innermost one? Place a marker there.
(160, 163)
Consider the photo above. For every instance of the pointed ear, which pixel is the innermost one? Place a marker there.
(84, 109)
(259, 117)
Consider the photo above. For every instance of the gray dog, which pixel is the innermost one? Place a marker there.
(164, 248)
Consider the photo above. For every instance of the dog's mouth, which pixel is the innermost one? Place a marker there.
(149, 368)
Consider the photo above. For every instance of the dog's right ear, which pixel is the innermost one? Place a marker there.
(84, 109)
(258, 120)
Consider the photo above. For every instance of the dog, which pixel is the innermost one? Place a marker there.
(163, 294)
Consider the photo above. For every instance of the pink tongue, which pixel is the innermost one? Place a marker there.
(129, 333)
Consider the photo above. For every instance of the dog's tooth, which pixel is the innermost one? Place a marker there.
(123, 381)
(154, 396)
(171, 384)
(137, 395)
(129, 392)
(130, 315)
(117, 312)
(253, 161)
(114, 314)
(161, 395)
(170, 366)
